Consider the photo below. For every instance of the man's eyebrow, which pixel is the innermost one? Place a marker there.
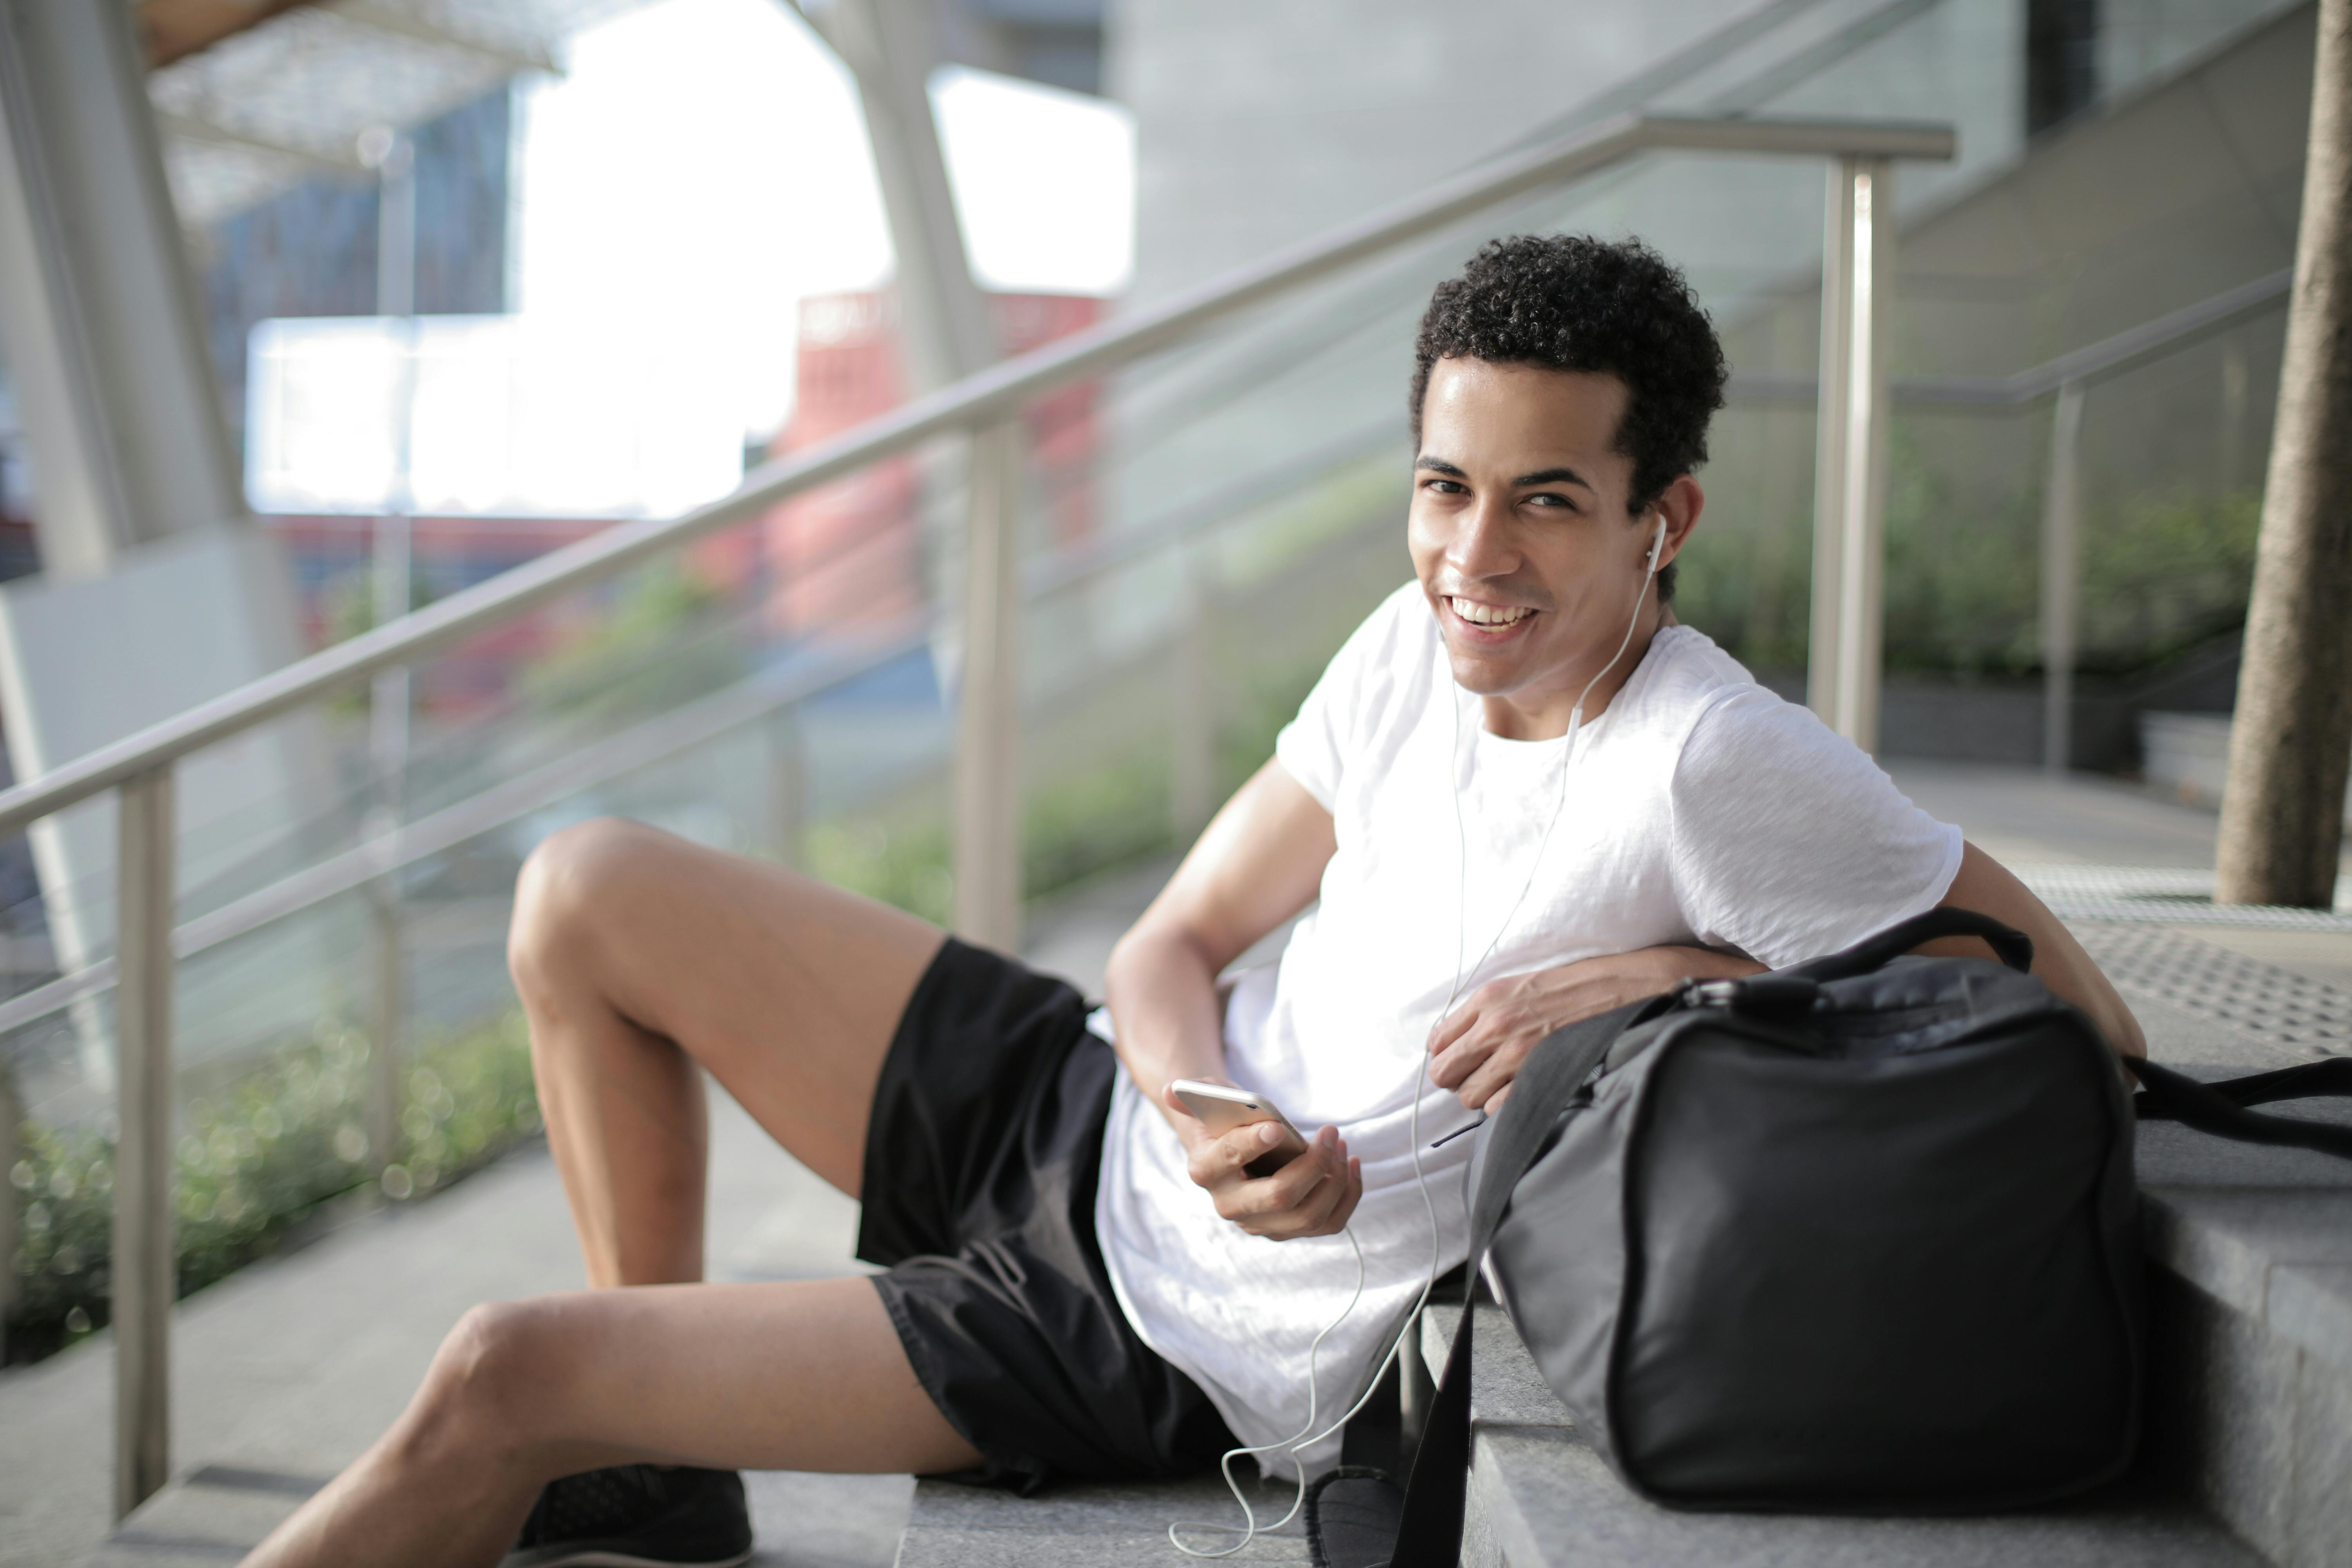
(1540, 477)
(1552, 477)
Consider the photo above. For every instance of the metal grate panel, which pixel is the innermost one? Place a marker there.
(2164, 896)
(2262, 1001)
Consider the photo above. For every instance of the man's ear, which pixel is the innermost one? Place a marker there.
(1679, 504)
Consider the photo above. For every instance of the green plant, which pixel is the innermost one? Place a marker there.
(1105, 817)
(905, 864)
(2165, 574)
(651, 645)
(1961, 581)
(256, 1158)
(347, 608)
(2162, 568)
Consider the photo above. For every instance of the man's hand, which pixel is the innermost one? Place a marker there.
(1313, 1194)
(1479, 1046)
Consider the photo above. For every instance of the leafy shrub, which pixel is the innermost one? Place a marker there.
(257, 1159)
(657, 639)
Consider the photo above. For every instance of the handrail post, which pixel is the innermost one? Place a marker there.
(2062, 568)
(1850, 453)
(387, 1017)
(1192, 769)
(785, 800)
(988, 716)
(144, 1260)
(12, 1116)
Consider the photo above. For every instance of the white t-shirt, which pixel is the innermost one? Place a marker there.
(1697, 809)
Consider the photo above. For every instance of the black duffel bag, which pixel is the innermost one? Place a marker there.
(1856, 1236)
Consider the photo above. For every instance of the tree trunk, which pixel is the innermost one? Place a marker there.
(2283, 810)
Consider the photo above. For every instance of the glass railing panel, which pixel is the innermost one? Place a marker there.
(2172, 456)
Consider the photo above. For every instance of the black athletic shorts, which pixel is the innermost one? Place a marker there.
(981, 1164)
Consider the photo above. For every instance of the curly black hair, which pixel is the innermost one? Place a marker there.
(1574, 302)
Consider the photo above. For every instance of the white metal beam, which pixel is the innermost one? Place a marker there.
(891, 47)
(97, 310)
(212, 133)
(406, 24)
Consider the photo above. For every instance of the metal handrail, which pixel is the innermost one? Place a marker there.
(653, 740)
(709, 717)
(2093, 362)
(975, 402)
(2066, 377)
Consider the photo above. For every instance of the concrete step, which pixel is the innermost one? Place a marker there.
(213, 1514)
(2248, 1457)
(1094, 1526)
(1540, 1496)
(216, 1513)
(2251, 1354)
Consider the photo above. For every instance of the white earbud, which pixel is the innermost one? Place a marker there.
(1658, 542)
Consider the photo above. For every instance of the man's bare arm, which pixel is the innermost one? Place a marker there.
(1985, 885)
(1260, 862)
(1479, 1046)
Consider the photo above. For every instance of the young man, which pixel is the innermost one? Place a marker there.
(1522, 795)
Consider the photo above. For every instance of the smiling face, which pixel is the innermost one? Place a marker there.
(1521, 537)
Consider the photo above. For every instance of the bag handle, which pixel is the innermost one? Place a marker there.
(2169, 1095)
(2013, 946)
(1430, 1535)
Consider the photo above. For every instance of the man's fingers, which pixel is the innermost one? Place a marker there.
(1280, 1204)
(1452, 1026)
(1461, 1059)
(1282, 1190)
(1214, 1160)
(1501, 1066)
(1327, 1208)
(1350, 1196)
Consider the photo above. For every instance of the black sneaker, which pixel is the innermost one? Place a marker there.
(637, 1516)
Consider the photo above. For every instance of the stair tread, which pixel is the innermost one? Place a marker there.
(1082, 1526)
(1541, 1495)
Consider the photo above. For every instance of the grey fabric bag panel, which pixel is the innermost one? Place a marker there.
(1871, 1253)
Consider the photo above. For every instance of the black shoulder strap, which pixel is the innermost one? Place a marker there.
(2221, 1107)
(1431, 1535)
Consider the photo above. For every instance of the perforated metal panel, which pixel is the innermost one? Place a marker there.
(2262, 1001)
(2162, 895)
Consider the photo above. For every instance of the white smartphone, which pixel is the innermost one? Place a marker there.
(1221, 1107)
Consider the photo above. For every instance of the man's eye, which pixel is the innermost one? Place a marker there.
(1446, 487)
(1549, 498)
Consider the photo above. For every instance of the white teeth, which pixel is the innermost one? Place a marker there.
(1479, 614)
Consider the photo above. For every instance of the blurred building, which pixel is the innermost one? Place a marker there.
(850, 557)
(310, 250)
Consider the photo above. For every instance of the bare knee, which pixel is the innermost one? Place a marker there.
(572, 889)
(491, 1386)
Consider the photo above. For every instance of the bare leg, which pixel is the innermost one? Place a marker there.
(803, 1376)
(641, 959)
(640, 956)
